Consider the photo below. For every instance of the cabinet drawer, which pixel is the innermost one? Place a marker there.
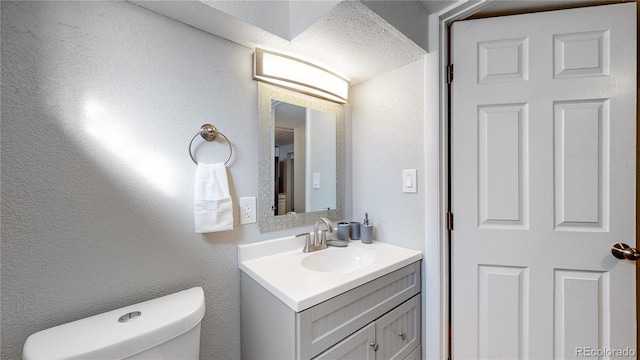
(398, 332)
(325, 324)
(355, 347)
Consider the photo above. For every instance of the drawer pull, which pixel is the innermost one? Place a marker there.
(374, 346)
(403, 336)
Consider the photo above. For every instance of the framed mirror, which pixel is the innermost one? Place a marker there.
(301, 159)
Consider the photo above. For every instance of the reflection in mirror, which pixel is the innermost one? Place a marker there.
(305, 159)
(301, 159)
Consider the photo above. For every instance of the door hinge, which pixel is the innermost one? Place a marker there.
(449, 220)
(449, 73)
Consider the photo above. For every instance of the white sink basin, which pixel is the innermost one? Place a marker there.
(302, 280)
(339, 260)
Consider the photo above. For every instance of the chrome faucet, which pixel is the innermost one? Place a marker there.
(319, 241)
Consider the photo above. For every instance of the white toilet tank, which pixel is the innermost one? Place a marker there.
(162, 328)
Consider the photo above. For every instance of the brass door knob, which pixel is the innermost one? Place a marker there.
(624, 251)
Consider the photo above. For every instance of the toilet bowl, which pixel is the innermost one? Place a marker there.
(164, 328)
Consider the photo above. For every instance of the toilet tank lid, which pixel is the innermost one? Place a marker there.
(103, 336)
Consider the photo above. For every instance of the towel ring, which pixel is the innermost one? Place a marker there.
(209, 133)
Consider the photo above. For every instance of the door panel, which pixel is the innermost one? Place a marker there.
(580, 302)
(581, 158)
(543, 183)
(502, 161)
(503, 60)
(583, 54)
(503, 297)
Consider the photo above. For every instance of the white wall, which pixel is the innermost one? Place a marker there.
(99, 102)
(388, 132)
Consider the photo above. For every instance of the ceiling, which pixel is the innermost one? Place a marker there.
(357, 40)
(349, 38)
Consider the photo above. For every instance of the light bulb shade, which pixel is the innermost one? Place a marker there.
(299, 75)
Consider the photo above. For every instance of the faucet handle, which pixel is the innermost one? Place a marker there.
(307, 241)
(307, 236)
(323, 237)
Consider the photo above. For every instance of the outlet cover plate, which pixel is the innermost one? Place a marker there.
(247, 210)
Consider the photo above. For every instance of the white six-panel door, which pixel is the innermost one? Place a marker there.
(543, 184)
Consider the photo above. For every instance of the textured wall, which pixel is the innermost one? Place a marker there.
(99, 101)
(388, 124)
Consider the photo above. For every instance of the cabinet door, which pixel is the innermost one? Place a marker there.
(398, 332)
(415, 354)
(355, 347)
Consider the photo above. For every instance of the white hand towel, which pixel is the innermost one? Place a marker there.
(213, 208)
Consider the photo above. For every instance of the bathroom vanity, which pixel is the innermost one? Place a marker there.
(371, 311)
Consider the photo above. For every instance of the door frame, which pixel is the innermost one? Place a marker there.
(435, 334)
(435, 322)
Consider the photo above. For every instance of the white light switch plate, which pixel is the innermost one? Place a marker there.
(316, 180)
(247, 210)
(409, 181)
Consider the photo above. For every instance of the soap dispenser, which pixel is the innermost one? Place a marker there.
(367, 230)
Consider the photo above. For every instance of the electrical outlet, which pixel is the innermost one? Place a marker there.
(247, 210)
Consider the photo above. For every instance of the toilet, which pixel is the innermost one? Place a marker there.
(164, 328)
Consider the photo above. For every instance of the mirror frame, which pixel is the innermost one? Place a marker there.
(267, 221)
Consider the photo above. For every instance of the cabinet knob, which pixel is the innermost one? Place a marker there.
(374, 346)
(403, 335)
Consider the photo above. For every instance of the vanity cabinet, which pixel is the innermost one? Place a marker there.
(394, 336)
(352, 325)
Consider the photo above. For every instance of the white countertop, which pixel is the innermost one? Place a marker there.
(276, 265)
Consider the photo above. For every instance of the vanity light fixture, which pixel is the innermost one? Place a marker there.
(298, 75)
